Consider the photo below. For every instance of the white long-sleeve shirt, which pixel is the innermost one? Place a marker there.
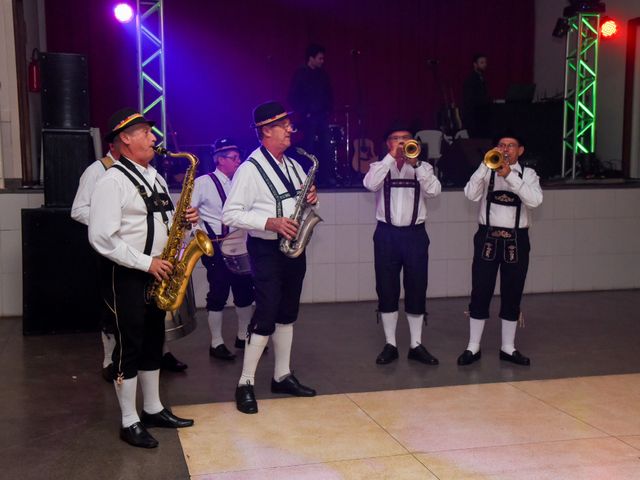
(206, 199)
(82, 200)
(250, 202)
(402, 199)
(527, 188)
(118, 219)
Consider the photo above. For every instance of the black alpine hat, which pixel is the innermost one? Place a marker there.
(398, 126)
(123, 119)
(222, 144)
(267, 113)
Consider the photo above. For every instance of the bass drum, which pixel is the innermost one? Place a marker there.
(181, 322)
(234, 252)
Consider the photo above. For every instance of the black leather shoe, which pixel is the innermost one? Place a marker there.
(467, 358)
(421, 354)
(172, 364)
(240, 343)
(290, 385)
(246, 399)
(389, 354)
(107, 373)
(516, 357)
(221, 352)
(164, 419)
(138, 436)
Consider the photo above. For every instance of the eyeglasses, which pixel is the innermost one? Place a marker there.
(286, 126)
(508, 145)
(235, 158)
(400, 138)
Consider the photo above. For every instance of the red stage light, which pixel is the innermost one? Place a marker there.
(608, 27)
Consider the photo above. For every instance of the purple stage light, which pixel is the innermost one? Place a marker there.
(123, 12)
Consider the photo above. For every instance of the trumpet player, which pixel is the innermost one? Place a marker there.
(264, 194)
(402, 184)
(507, 192)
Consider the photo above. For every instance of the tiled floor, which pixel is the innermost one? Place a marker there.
(542, 429)
(574, 413)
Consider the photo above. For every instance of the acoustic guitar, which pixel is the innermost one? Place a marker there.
(363, 155)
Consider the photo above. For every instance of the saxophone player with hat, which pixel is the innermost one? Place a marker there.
(267, 190)
(129, 222)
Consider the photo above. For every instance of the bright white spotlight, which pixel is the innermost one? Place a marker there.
(123, 12)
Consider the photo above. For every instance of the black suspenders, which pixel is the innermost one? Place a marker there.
(390, 183)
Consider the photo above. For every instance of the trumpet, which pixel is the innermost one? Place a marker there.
(494, 159)
(411, 149)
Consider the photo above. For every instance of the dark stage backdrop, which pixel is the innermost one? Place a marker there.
(224, 57)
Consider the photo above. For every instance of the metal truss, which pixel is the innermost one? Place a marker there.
(151, 79)
(580, 85)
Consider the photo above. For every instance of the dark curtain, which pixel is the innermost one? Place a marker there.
(224, 57)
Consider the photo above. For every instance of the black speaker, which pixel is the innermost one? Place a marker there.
(65, 91)
(460, 160)
(66, 153)
(59, 274)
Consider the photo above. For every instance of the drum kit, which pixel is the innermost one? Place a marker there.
(339, 146)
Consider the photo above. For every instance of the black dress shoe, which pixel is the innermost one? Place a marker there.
(107, 373)
(292, 386)
(172, 364)
(516, 357)
(389, 354)
(421, 354)
(467, 357)
(221, 352)
(138, 436)
(239, 343)
(246, 399)
(164, 419)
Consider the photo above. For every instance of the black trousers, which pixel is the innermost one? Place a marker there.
(512, 277)
(278, 284)
(403, 249)
(222, 280)
(139, 326)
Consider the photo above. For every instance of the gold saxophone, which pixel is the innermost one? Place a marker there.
(294, 248)
(169, 294)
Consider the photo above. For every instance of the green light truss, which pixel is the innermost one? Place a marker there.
(151, 82)
(580, 85)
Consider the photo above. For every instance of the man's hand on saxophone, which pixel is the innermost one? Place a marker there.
(160, 268)
(192, 216)
(312, 195)
(283, 226)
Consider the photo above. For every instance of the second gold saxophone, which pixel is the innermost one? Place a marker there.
(293, 248)
(169, 294)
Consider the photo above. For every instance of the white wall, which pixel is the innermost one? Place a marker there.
(582, 239)
(549, 69)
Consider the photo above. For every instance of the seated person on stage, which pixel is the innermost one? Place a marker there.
(262, 198)
(400, 242)
(209, 195)
(80, 213)
(506, 195)
(129, 221)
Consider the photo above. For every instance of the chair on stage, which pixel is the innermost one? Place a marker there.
(433, 140)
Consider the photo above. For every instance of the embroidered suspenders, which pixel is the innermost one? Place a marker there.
(390, 183)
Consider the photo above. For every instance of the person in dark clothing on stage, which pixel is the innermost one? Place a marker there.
(129, 220)
(506, 195)
(476, 100)
(311, 98)
(400, 242)
(262, 199)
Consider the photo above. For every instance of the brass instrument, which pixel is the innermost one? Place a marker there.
(169, 294)
(293, 248)
(411, 149)
(494, 159)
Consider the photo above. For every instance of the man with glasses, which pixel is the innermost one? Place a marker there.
(506, 195)
(209, 195)
(402, 186)
(262, 199)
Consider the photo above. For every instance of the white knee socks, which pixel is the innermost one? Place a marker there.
(244, 317)
(215, 327)
(282, 340)
(475, 334)
(389, 322)
(150, 384)
(508, 336)
(415, 328)
(252, 353)
(108, 344)
(126, 393)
